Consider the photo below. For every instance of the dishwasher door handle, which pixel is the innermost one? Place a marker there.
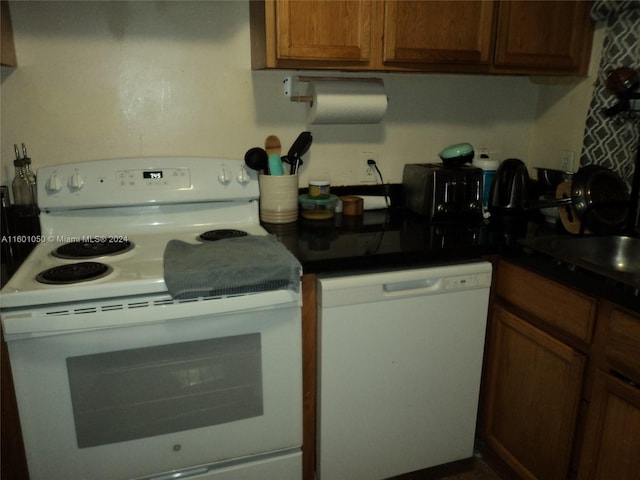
(411, 286)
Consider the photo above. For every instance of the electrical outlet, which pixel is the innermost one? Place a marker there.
(566, 160)
(368, 172)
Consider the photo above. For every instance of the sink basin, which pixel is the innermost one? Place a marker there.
(617, 253)
(613, 256)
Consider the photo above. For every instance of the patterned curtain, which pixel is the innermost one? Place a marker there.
(612, 142)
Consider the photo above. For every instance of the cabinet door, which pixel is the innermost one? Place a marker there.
(7, 49)
(547, 35)
(612, 436)
(335, 30)
(438, 32)
(533, 389)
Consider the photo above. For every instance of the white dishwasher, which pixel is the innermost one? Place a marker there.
(399, 365)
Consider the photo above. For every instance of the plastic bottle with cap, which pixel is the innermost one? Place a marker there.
(489, 168)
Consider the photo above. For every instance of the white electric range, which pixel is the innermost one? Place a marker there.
(116, 376)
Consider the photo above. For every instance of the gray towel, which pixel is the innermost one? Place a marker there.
(229, 267)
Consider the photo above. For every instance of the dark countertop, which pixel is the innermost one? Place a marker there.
(395, 238)
(381, 239)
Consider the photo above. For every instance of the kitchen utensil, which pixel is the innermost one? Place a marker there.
(300, 146)
(568, 215)
(257, 159)
(275, 164)
(294, 163)
(622, 81)
(600, 198)
(272, 145)
(457, 155)
(273, 148)
(550, 178)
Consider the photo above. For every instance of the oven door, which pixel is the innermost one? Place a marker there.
(161, 387)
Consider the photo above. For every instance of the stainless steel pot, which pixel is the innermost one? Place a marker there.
(598, 195)
(600, 199)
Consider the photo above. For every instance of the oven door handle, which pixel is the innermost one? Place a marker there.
(181, 474)
(21, 324)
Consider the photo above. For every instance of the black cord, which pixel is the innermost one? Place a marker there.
(372, 163)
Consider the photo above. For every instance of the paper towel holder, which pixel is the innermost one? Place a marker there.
(291, 85)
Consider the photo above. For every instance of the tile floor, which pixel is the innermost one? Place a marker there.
(473, 469)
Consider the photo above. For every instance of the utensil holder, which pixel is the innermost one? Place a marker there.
(278, 198)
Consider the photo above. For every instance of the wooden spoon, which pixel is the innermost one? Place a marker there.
(272, 145)
(274, 149)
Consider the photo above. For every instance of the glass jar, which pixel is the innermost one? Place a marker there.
(21, 187)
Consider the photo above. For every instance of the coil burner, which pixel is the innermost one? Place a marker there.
(221, 234)
(92, 249)
(74, 273)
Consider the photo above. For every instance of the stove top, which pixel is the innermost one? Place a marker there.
(137, 270)
(105, 228)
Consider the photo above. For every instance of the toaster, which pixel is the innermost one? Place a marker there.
(442, 193)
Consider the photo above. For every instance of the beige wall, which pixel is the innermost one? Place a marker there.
(561, 112)
(116, 79)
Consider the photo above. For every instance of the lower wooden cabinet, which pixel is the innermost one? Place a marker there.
(561, 381)
(611, 448)
(533, 384)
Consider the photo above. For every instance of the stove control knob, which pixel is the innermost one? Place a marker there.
(243, 176)
(76, 181)
(223, 177)
(53, 184)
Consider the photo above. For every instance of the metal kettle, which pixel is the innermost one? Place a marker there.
(510, 189)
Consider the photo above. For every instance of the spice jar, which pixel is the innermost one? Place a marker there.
(319, 188)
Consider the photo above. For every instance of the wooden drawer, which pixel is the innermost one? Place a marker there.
(564, 309)
(623, 343)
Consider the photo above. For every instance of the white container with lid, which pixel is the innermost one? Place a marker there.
(319, 188)
(489, 168)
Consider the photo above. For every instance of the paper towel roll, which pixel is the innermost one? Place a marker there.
(347, 101)
(373, 202)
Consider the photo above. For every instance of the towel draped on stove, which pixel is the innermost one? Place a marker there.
(254, 263)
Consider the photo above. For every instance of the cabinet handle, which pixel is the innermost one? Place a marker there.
(624, 378)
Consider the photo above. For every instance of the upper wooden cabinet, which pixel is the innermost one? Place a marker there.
(523, 37)
(438, 32)
(340, 31)
(544, 35)
(311, 34)
(8, 53)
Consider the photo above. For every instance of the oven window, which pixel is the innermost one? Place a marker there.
(130, 394)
